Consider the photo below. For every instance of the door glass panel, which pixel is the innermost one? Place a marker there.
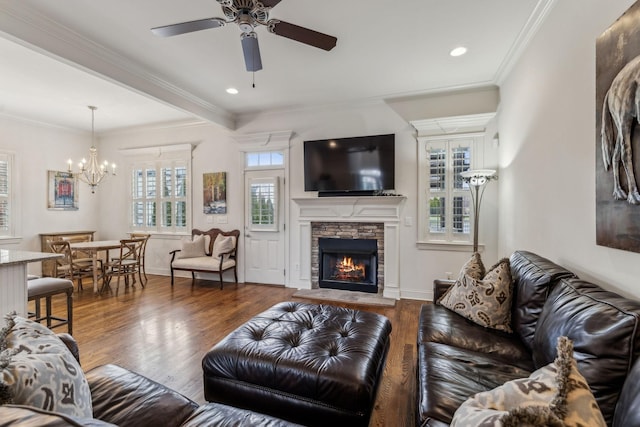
(264, 204)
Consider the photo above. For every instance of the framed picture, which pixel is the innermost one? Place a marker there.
(214, 189)
(62, 191)
(618, 133)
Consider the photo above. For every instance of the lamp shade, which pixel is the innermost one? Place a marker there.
(478, 177)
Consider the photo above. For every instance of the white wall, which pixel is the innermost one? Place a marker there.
(39, 148)
(547, 148)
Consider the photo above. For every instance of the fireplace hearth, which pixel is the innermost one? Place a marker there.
(348, 264)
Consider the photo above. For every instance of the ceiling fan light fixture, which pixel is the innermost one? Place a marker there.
(250, 14)
(458, 51)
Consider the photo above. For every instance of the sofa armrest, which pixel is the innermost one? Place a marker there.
(440, 286)
(125, 398)
(71, 344)
(173, 254)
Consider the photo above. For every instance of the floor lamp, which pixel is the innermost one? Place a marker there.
(477, 180)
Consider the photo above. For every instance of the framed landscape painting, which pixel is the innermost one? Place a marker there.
(214, 195)
(62, 191)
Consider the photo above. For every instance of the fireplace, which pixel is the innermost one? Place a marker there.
(348, 264)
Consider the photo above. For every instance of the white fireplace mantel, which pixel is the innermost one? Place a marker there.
(384, 209)
(368, 209)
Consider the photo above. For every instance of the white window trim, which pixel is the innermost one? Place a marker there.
(159, 156)
(424, 241)
(10, 236)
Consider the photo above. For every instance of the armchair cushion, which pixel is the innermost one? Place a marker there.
(204, 263)
(223, 245)
(192, 248)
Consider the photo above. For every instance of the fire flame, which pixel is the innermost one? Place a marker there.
(347, 266)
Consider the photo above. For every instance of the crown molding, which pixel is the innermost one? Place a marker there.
(452, 125)
(531, 28)
(38, 32)
(264, 140)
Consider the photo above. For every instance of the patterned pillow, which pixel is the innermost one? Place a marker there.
(37, 369)
(474, 268)
(192, 248)
(555, 395)
(485, 301)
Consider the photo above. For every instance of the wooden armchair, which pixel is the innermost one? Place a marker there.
(211, 251)
(68, 266)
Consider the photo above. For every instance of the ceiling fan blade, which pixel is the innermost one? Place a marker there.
(188, 27)
(251, 52)
(302, 35)
(270, 3)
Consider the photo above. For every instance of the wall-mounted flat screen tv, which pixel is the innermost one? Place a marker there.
(363, 165)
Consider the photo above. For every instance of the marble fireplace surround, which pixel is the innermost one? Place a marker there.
(371, 209)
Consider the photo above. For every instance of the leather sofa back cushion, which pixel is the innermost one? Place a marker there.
(533, 278)
(628, 409)
(604, 328)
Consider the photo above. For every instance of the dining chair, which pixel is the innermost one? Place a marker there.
(126, 265)
(68, 266)
(141, 268)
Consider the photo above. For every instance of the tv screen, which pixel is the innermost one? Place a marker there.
(362, 165)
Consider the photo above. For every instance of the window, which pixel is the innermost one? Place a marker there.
(160, 193)
(6, 195)
(445, 201)
(264, 159)
(264, 204)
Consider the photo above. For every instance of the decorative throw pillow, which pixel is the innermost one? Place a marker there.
(474, 267)
(223, 244)
(554, 395)
(192, 248)
(485, 301)
(38, 370)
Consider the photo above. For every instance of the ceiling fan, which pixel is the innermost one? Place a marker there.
(248, 14)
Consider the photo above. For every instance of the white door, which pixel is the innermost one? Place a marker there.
(264, 227)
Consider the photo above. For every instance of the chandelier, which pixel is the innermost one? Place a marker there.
(93, 172)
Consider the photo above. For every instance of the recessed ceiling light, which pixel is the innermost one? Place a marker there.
(459, 51)
(232, 91)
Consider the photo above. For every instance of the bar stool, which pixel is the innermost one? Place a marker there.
(46, 287)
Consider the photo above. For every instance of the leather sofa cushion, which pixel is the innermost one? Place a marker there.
(217, 414)
(605, 330)
(20, 415)
(126, 398)
(533, 277)
(447, 376)
(438, 324)
(628, 409)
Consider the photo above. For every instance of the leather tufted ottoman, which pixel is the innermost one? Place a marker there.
(307, 363)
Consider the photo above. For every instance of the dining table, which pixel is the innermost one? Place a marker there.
(93, 248)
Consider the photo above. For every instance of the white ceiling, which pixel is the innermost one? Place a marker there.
(60, 56)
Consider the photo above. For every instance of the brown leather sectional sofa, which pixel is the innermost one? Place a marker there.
(457, 358)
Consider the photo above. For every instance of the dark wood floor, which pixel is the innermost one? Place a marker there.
(163, 333)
